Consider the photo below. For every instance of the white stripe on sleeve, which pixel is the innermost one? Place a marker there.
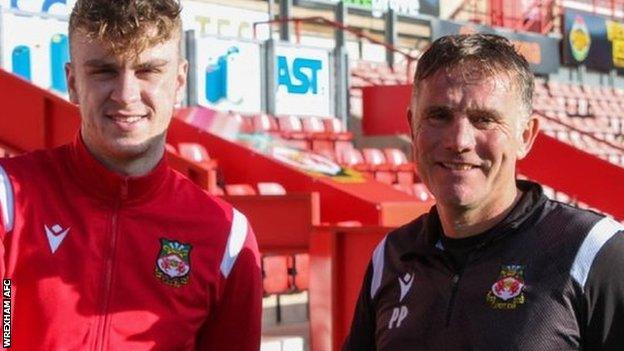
(6, 201)
(378, 266)
(236, 239)
(602, 231)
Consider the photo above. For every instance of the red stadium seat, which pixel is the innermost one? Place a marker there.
(264, 123)
(239, 189)
(245, 123)
(291, 128)
(275, 278)
(271, 188)
(404, 169)
(193, 152)
(321, 141)
(377, 162)
(335, 127)
(299, 269)
(353, 158)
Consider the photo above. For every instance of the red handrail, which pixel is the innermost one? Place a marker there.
(357, 32)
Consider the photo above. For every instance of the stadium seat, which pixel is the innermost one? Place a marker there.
(194, 152)
(291, 129)
(275, 278)
(377, 163)
(245, 123)
(271, 188)
(299, 269)
(404, 169)
(239, 189)
(321, 141)
(264, 123)
(353, 158)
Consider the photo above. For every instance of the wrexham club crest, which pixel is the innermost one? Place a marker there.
(173, 263)
(508, 291)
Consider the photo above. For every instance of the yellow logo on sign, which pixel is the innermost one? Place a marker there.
(579, 38)
(615, 34)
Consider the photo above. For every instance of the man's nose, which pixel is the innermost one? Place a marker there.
(127, 89)
(460, 135)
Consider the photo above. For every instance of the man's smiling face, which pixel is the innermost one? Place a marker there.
(126, 103)
(467, 132)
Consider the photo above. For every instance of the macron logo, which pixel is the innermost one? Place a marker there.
(55, 235)
(406, 283)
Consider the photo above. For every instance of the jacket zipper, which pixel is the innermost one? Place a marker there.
(472, 256)
(454, 288)
(108, 275)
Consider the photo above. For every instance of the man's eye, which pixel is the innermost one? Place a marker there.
(146, 71)
(103, 72)
(483, 120)
(438, 116)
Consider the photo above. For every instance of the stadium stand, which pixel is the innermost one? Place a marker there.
(314, 251)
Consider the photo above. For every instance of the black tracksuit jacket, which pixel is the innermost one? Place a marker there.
(547, 277)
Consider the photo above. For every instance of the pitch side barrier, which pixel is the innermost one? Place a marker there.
(581, 175)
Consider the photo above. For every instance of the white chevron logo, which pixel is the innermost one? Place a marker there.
(406, 283)
(55, 236)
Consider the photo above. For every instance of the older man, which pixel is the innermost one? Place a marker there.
(495, 265)
(104, 246)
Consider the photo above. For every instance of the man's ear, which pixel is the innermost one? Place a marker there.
(71, 83)
(529, 133)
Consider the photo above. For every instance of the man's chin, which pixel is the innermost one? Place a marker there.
(458, 200)
(129, 150)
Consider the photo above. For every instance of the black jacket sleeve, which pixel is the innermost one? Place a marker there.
(362, 334)
(604, 298)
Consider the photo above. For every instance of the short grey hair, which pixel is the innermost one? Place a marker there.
(490, 54)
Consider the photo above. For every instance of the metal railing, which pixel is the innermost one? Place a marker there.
(411, 60)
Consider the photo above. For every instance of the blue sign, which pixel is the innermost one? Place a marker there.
(300, 77)
(59, 56)
(221, 82)
(20, 58)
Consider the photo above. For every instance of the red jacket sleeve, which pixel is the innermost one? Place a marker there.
(235, 323)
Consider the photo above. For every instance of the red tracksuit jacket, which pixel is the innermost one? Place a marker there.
(98, 261)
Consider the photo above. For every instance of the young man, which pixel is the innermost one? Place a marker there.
(495, 265)
(106, 247)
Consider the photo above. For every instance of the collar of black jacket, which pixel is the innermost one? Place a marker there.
(430, 232)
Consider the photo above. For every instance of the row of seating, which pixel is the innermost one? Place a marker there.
(578, 106)
(389, 165)
(583, 91)
(368, 73)
(585, 134)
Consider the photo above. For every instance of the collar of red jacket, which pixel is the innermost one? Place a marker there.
(109, 185)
